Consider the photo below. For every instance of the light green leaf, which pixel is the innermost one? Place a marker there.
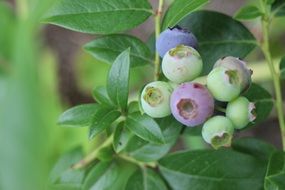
(103, 119)
(144, 127)
(282, 68)
(263, 102)
(275, 175)
(220, 36)
(121, 137)
(145, 179)
(212, 170)
(100, 95)
(248, 12)
(179, 9)
(100, 16)
(81, 115)
(147, 152)
(107, 48)
(109, 176)
(118, 80)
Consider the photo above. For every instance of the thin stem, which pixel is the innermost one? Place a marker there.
(92, 156)
(265, 47)
(134, 161)
(221, 109)
(157, 32)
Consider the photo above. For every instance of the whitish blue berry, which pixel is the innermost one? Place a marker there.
(182, 64)
(218, 131)
(224, 84)
(234, 63)
(191, 104)
(240, 111)
(172, 37)
(155, 99)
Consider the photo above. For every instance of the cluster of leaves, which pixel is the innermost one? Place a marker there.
(138, 138)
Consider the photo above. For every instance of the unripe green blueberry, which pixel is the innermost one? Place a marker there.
(218, 131)
(155, 99)
(239, 65)
(240, 111)
(182, 64)
(224, 84)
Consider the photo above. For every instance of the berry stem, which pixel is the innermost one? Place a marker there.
(265, 47)
(93, 155)
(157, 32)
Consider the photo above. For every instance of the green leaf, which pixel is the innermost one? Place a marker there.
(248, 12)
(121, 137)
(109, 176)
(100, 16)
(179, 9)
(103, 119)
(100, 95)
(212, 170)
(145, 179)
(134, 107)
(147, 152)
(278, 8)
(221, 36)
(62, 176)
(118, 80)
(107, 48)
(269, 2)
(274, 179)
(144, 127)
(263, 102)
(105, 154)
(81, 115)
(282, 68)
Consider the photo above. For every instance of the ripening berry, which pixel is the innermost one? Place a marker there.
(224, 84)
(191, 104)
(155, 99)
(218, 131)
(237, 64)
(241, 112)
(182, 64)
(172, 37)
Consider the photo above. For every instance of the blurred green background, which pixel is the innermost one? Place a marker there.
(44, 70)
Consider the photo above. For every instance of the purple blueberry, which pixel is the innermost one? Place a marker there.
(191, 104)
(172, 37)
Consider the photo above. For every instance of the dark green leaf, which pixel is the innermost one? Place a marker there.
(147, 152)
(263, 102)
(62, 176)
(100, 16)
(145, 179)
(220, 36)
(107, 48)
(81, 115)
(269, 2)
(106, 153)
(179, 9)
(144, 127)
(109, 176)
(118, 80)
(248, 12)
(282, 68)
(254, 147)
(275, 175)
(103, 119)
(212, 170)
(121, 137)
(100, 94)
(278, 8)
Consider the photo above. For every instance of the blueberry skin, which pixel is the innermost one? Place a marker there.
(172, 37)
(191, 104)
(182, 64)
(224, 84)
(239, 65)
(155, 99)
(240, 111)
(218, 131)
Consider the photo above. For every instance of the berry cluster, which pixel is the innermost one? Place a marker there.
(191, 103)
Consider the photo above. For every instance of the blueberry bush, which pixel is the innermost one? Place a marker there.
(201, 85)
